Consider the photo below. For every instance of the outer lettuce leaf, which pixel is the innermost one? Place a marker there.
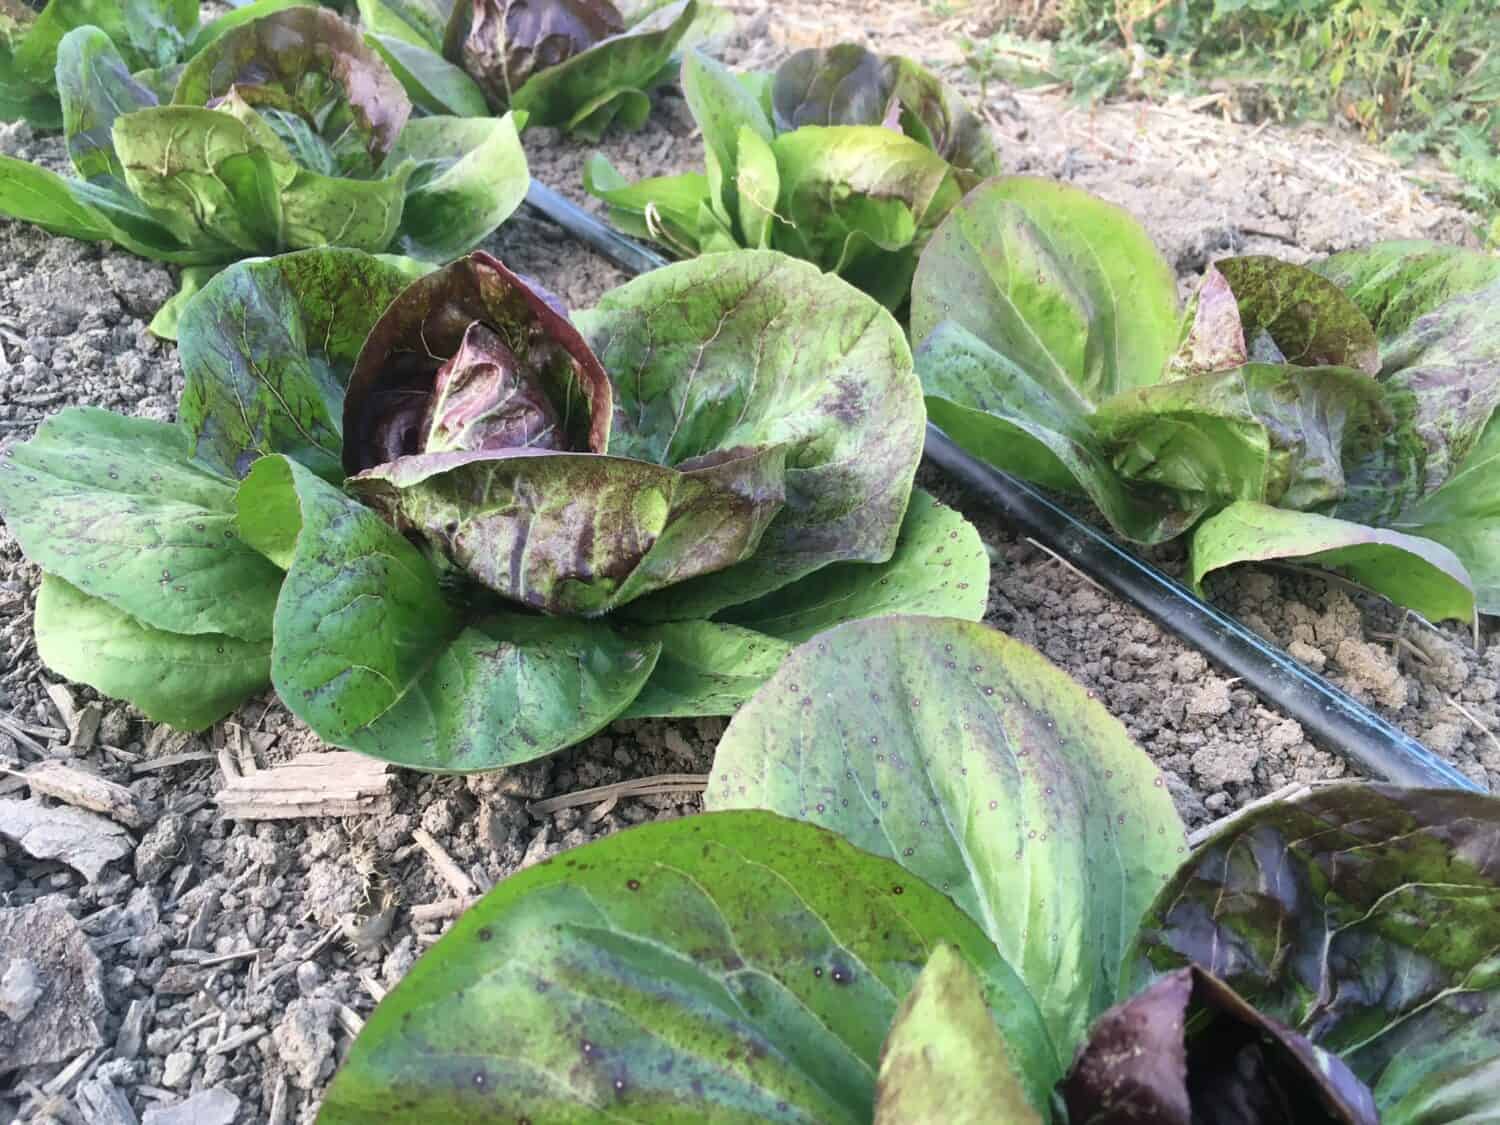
(939, 568)
(1021, 303)
(706, 668)
(722, 106)
(584, 94)
(117, 507)
(360, 615)
(506, 43)
(987, 773)
(1414, 572)
(944, 1061)
(1067, 287)
(758, 350)
(997, 411)
(1364, 917)
(663, 208)
(148, 33)
(372, 657)
(1393, 283)
(431, 81)
(419, 22)
(189, 682)
(94, 87)
(94, 214)
(469, 176)
(735, 967)
(1464, 516)
(266, 354)
(711, 667)
(1189, 1049)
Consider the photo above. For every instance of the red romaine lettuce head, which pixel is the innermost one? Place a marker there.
(508, 41)
(1190, 1051)
(850, 85)
(305, 71)
(478, 419)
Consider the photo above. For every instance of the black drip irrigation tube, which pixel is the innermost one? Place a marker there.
(1329, 715)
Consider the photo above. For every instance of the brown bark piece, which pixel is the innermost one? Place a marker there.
(338, 783)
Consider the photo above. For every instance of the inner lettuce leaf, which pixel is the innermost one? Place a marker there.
(842, 158)
(282, 132)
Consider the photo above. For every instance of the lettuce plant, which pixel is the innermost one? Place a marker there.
(842, 157)
(1342, 414)
(577, 65)
(938, 883)
(457, 530)
(282, 132)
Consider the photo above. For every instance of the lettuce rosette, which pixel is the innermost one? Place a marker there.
(1341, 414)
(576, 65)
(281, 133)
(841, 157)
(457, 530)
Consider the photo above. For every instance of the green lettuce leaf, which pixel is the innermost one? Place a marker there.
(735, 967)
(148, 33)
(944, 1061)
(94, 87)
(1414, 572)
(373, 657)
(468, 177)
(431, 81)
(860, 201)
(987, 773)
(185, 681)
(705, 668)
(117, 507)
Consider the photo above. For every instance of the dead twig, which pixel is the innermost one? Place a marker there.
(659, 785)
(447, 867)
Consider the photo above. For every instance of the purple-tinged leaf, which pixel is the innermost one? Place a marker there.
(1189, 1051)
(415, 359)
(315, 68)
(1287, 314)
(1365, 917)
(508, 41)
(580, 533)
